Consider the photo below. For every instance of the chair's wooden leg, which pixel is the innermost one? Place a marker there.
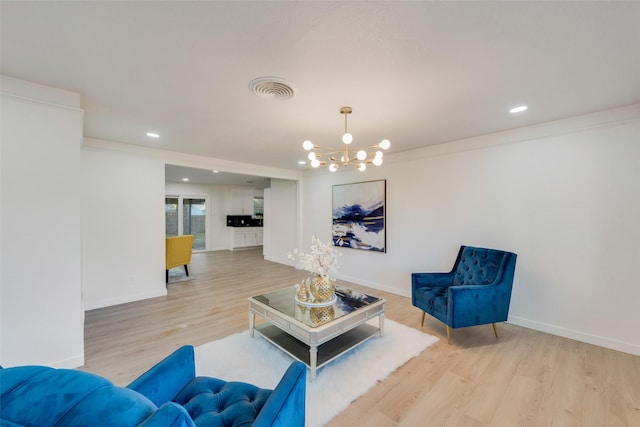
(448, 334)
(495, 331)
(186, 270)
(167, 276)
(422, 322)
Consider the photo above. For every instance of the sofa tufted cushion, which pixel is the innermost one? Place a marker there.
(217, 403)
(43, 396)
(478, 266)
(433, 300)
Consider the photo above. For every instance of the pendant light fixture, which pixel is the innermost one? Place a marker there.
(346, 156)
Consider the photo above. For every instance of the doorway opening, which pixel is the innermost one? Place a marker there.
(187, 215)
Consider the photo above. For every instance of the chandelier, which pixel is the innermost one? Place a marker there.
(344, 156)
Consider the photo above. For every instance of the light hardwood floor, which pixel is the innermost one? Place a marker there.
(525, 378)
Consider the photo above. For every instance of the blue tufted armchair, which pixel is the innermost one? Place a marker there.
(477, 291)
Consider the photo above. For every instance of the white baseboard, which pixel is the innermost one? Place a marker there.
(378, 286)
(625, 347)
(69, 363)
(279, 260)
(108, 302)
(613, 344)
(606, 342)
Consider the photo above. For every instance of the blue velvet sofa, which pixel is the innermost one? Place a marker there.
(477, 290)
(168, 395)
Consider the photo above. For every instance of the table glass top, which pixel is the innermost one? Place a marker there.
(347, 301)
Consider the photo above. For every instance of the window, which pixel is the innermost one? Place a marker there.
(194, 214)
(258, 207)
(171, 216)
(186, 215)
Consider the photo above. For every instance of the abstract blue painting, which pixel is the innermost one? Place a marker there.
(359, 215)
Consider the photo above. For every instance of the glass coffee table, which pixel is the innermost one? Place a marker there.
(316, 335)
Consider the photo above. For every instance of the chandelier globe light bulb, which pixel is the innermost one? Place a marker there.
(347, 138)
(362, 167)
(307, 145)
(311, 156)
(385, 144)
(333, 167)
(315, 163)
(361, 155)
(377, 161)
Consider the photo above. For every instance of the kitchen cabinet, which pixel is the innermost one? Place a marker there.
(246, 237)
(242, 200)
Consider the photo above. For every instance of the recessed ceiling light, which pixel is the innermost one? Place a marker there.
(302, 162)
(518, 109)
(153, 135)
(185, 179)
(215, 171)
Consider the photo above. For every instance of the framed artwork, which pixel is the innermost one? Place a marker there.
(359, 215)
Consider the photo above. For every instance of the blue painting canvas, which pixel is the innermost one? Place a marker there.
(359, 215)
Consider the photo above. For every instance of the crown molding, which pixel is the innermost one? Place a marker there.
(576, 124)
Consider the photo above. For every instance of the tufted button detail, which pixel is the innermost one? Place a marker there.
(210, 401)
(478, 266)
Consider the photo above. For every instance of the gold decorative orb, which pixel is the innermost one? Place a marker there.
(322, 289)
(321, 315)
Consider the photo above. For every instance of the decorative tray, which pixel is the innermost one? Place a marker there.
(317, 304)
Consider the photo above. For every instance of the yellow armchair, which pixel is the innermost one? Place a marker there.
(178, 253)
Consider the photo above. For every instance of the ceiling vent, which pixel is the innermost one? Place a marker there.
(272, 87)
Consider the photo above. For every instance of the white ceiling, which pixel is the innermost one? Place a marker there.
(175, 173)
(417, 73)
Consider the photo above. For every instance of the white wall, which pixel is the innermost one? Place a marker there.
(123, 217)
(281, 219)
(219, 206)
(123, 246)
(565, 196)
(41, 320)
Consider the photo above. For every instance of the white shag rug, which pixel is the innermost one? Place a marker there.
(256, 361)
